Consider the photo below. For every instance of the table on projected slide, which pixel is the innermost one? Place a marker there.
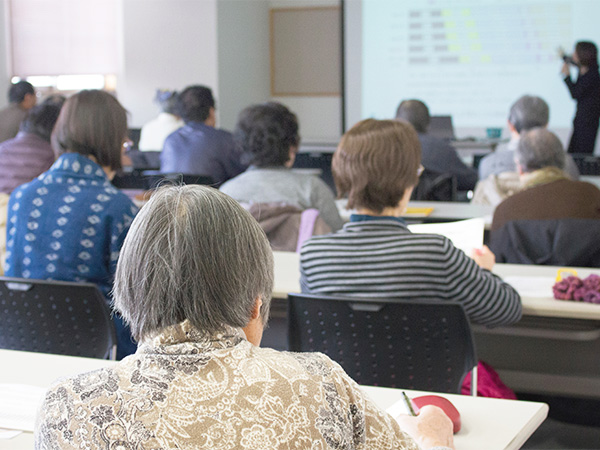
(486, 423)
(553, 349)
(442, 211)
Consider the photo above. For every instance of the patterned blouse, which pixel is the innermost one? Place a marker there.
(188, 390)
(68, 224)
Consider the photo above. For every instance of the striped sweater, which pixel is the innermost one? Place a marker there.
(382, 259)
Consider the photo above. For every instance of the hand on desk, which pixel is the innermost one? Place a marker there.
(431, 428)
(484, 257)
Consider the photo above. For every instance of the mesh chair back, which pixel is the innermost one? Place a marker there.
(55, 317)
(418, 344)
(158, 179)
(434, 186)
(586, 163)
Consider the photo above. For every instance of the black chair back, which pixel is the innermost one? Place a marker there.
(157, 179)
(417, 344)
(57, 317)
(434, 186)
(586, 163)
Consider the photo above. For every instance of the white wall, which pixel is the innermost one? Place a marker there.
(243, 49)
(166, 44)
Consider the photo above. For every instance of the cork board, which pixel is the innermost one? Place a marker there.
(305, 51)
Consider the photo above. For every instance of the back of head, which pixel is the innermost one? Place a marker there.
(529, 112)
(587, 52)
(414, 112)
(40, 120)
(195, 102)
(265, 134)
(18, 91)
(539, 148)
(92, 123)
(192, 253)
(376, 162)
(168, 101)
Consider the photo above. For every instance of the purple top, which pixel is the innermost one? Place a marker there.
(23, 158)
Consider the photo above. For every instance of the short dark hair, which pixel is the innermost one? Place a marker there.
(265, 133)
(40, 120)
(529, 112)
(539, 148)
(587, 52)
(92, 123)
(376, 162)
(18, 91)
(414, 112)
(195, 102)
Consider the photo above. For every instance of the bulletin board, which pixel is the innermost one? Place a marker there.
(305, 51)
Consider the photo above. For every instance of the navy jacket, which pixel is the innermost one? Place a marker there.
(199, 149)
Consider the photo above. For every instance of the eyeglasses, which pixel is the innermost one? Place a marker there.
(420, 170)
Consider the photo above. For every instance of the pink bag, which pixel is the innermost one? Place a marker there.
(489, 383)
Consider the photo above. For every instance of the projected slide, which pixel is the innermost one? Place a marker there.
(471, 58)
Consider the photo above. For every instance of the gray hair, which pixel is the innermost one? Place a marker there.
(416, 113)
(192, 253)
(529, 112)
(539, 148)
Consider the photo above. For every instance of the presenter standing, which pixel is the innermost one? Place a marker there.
(586, 91)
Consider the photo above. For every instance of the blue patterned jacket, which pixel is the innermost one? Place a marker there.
(68, 224)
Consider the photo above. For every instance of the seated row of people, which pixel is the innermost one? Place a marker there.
(498, 174)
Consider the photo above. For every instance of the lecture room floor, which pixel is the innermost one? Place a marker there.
(554, 434)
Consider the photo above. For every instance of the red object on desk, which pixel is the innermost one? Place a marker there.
(443, 403)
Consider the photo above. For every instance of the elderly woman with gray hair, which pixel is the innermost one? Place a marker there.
(552, 220)
(194, 281)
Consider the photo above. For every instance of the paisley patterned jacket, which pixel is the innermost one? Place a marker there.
(187, 390)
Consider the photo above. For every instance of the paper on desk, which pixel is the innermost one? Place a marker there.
(8, 434)
(18, 405)
(466, 235)
(397, 409)
(540, 287)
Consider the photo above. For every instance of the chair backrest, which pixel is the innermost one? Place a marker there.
(411, 344)
(148, 160)
(434, 186)
(157, 179)
(57, 317)
(586, 163)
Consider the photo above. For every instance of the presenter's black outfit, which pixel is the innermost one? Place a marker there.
(586, 90)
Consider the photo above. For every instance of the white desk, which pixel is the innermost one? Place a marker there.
(486, 423)
(442, 211)
(552, 350)
(594, 179)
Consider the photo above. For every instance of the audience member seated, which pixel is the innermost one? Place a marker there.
(194, 281)
(198, 148)
(436, 154)
(267, 135)
(70, 222)
(375, 256)
(154, 133)
(3, 212)
(554, 219)
(27, 155)
(21, 98)
(498, 171)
